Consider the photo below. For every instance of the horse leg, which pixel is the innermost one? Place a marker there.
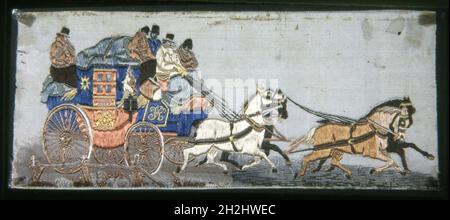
(331, 168)
(267, 146)
(316, 155)
(389, 162)
(226, 158)
(211, 156)
(424, 153)
(186, 154)
(336, 162)
(401, 154)
(196, 150)
(397, 147)
(201, 162)
(256, 161)
(263, 155)
(321, 162)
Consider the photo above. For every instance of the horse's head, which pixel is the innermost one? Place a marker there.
(281, 100)
(387, 113)
(406, 112)
(273, 104)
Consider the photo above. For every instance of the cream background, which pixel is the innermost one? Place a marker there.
(337, 62)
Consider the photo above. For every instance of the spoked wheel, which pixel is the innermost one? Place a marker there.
(173, 150)
(109, 155)
(67, 138)
(144, 147)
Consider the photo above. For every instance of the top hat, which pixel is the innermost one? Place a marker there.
(187, 43)
(64, 31)
(145, 29)
(155, 29)
(170, 36)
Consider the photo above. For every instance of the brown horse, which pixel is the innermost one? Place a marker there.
(368, 137)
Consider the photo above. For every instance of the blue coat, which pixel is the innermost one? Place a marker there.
(154, 45)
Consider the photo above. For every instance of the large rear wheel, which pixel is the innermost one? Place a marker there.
(67, 138)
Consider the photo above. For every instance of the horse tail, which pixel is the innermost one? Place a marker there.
(305, 139)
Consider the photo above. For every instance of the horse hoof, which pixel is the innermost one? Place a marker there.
(348, 176)
(274, 170)
(178, 169)
(225, 172)
(430, 157)
(288, 163)
(372, 171)
(295, 176)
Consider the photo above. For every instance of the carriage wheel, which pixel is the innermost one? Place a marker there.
(67, 138)
(173, 150)
(144, 147)
(109, 156)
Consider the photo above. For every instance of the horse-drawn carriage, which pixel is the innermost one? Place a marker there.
(103, 122)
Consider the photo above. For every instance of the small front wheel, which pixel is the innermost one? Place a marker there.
(144, 147)
(173, 150)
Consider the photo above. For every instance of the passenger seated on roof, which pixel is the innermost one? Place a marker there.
(168, 63)
(187, 56)
(154, 42)
(139, 49)
(62, 80)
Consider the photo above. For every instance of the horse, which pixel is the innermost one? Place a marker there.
(367, 136)
(243, 136)
(398, 146)
(266, 145)
(395, 144)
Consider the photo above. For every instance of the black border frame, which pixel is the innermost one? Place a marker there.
(9, 44)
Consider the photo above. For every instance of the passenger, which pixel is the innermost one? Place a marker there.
(187, 56)
(139, 49)
(154, 42)
(168, 62)
(62, 80)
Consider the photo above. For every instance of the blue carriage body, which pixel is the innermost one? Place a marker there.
(111, 54)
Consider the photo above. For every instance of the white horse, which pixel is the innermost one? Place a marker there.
(213, 135)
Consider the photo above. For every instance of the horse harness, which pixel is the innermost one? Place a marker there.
(351, 141)
(359, 139)
(233, 137)
(401, 122)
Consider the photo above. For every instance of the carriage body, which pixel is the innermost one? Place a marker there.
(103, 121)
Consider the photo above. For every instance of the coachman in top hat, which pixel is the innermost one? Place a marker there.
(62, 58)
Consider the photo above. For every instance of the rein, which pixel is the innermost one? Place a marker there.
(346, 120)
(340, 143)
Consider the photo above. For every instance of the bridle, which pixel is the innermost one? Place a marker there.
(255, 125)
